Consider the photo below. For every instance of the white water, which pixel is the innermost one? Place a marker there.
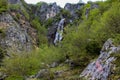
(59, 36)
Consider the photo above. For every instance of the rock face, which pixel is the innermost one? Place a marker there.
(16, 35)
(46, 11)
(100, 69)
(73, 7)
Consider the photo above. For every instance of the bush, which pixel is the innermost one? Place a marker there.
(66, 14)
(2, 33)
(26, 14)
(49, 22)
(2, 53)
(14, 7)
(42, 39)
(111, 19)
(3, 6)
(25, 64)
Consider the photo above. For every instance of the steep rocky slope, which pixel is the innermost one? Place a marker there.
(17, 33)
(103, 66)
(70, 37)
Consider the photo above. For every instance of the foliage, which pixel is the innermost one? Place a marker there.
(81, 42)
(3, 6)
(26, 64)
(41, 31)
(14, 7)
(26, 14)
(111, 19)
(66, 13)
(2, 33)
(2, 53)
(49, 22)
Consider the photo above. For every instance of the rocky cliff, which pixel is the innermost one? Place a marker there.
(45, 11)
(17, 34)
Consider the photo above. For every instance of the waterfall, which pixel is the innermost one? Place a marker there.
(100, 69)
(58, 35)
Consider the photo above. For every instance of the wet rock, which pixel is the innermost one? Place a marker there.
(58, 35)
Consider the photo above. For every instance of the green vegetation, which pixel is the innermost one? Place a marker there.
(81, 43)
(116, 69)
(2, 33)
(42, 40)
(26, 64)
(3, 6)
(14, 7)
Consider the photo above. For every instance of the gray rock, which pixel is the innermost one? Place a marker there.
(46, 11)
(101, 68)
(54, 64)
(42, 73)
(73, 7)
(16, 37)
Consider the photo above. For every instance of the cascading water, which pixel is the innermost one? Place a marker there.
(101, 68)
(58, 35)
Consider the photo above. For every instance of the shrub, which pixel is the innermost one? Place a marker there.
(66, 13)
(42, 39)
(111, 19)
(2, 33)
(25, 64)
(14, 7)
(2, 53)
(3, 6)
(49, 22)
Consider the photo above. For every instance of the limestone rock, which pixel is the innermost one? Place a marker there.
(46, 11)
(73, 7)
(16, 36)
(101, 68)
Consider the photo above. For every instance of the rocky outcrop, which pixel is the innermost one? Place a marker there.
(100, 69)
(16, 35)
(46, 11)
(73, 7)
